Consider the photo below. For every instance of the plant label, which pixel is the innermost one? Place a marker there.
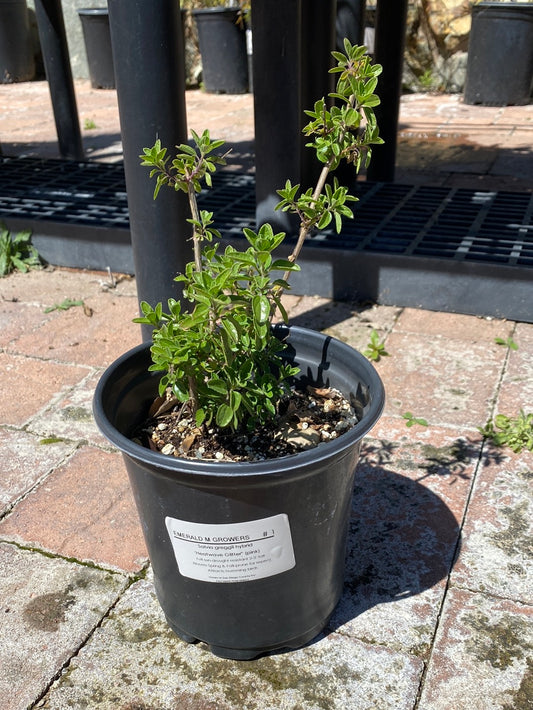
(232, 552)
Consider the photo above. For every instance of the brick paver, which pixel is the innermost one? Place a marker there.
(94, 333)
(447, 382)
(26, 460)
(49, 608)
(33, 383)
(497, 551)
(83, 510)
(160, 672)
(481, 653)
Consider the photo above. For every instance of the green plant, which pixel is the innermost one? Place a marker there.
(17, 252)
(64, 305)
(411, 420)
(221, 358)
(514, 432)
(375, 349)
(50, 440)
(426, 80)
(507, 342)
(89, 124)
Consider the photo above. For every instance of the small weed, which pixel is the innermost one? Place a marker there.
(89, 124)
(514, 432)
(411, 420)
(507, 342)
(427, 80)
(64, 305)
(50, 440)
(17, 252)
(375, 349)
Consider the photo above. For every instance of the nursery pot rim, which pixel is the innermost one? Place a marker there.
(507, 3)
(291, 464)
(93, 11)
(215, 10)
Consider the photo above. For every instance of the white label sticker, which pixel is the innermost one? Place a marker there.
(232, 552)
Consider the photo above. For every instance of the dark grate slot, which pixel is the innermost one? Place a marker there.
(436, 248)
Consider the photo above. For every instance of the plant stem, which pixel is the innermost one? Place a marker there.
(196, 216)
(305, 226)
(193, 395)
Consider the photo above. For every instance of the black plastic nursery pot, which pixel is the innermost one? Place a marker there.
(222, 42)
(247, 557)
(16, 55)
(97, 36)
(500, 54)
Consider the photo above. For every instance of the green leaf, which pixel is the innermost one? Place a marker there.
(375, 349)
(19, 264)
(185, 148)
(372, 101)
(180, 390)
(16, 252)
(218, 386)
(324, 220)
(507, 342)
(284, 265)
(281, 309)
(64, 305)
(224, 415)
(411, 420)
(261, 309)
(514, 432)
(235, 400)
(231, 329)
(199, 417)
(250, 235)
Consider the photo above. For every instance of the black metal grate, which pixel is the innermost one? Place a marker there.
(439, 222)
(64, 191)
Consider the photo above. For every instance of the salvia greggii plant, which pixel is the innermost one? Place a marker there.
(220, 358)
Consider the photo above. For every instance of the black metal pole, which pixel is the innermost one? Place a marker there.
(318, 41)
(276, 27)
(56, 61)
(147, 42)
(293, 40)
(391, 20)
(350, 22)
